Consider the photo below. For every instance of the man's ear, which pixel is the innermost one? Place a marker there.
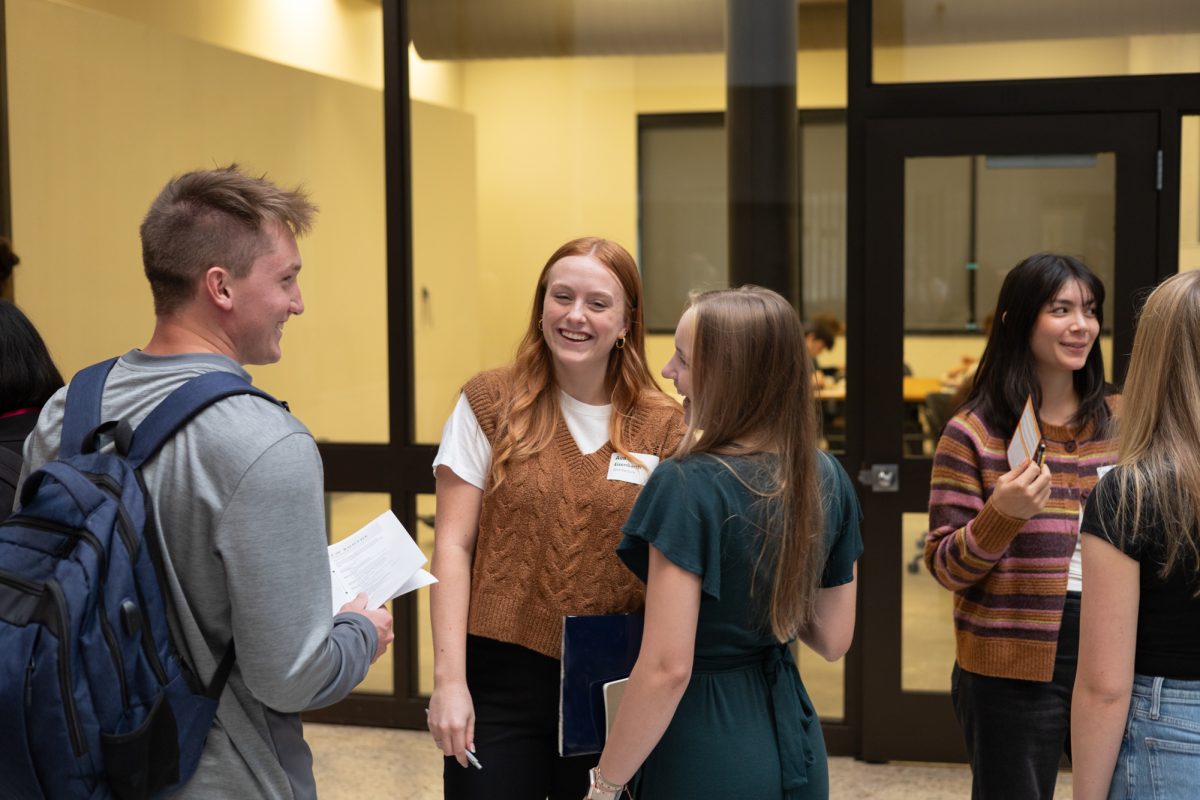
(218, 287)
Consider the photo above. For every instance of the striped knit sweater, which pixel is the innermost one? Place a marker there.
(1009, 576)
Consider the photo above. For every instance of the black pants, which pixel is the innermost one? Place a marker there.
(515, 692)
(1016, 731)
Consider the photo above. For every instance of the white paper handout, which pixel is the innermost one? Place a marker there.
(1026, 437)
(380, 559)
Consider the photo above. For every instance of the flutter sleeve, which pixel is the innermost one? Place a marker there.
(682, 518)
(843, 517)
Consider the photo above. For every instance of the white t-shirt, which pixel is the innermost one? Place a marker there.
(1075, 569)
(468, 453)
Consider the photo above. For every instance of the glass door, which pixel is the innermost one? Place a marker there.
(951, 206)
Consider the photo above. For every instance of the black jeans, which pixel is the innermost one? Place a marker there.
(1016, 731)
(515, 692)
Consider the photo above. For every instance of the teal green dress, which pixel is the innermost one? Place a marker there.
(745, 727)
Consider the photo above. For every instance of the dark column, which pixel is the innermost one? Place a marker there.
(760, 126)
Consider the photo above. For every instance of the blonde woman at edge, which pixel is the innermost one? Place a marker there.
(539, 465)
(1136, 718)
(748, 538)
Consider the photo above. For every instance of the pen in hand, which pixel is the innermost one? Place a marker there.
(471, 759)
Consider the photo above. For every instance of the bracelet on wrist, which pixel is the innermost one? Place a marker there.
(602, 788)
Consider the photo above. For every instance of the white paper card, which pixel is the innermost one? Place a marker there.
(614, 692)
(380, 559)
(1026, 437)
(621, 468)
(1102, 471)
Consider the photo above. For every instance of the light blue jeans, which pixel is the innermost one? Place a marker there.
(1160, 752)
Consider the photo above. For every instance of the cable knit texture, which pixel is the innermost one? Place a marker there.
(1009, 576)
(548, 536)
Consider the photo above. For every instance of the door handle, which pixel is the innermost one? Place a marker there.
(881, 477)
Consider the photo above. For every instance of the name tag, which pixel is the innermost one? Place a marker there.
(621, 468)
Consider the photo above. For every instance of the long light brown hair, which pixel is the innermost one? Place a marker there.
(1158, 473)
(530, 408)
(751, 380)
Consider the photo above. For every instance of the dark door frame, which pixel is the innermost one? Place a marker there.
(886, 731)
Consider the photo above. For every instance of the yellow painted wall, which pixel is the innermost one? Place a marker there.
(103, 110)
(338, 38)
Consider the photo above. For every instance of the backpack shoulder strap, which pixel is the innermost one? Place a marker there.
(181, 405)
(10, 471)
(82, 414)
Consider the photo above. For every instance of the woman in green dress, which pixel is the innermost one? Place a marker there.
(747, 539)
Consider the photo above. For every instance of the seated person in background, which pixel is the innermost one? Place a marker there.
(820, 334)
(27, 379)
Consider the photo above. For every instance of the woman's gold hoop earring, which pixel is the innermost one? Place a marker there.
(540, 322)
(621, 343)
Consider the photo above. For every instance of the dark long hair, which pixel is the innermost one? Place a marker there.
(1006, 374)
(27, 374)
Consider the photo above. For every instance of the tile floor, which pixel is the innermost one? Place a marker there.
(364, 763)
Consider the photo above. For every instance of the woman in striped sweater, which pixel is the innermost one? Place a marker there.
(1005, 541)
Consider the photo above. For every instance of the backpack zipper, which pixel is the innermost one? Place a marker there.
(110, 638)
(64, 669)
(125, 529)
(41, 524)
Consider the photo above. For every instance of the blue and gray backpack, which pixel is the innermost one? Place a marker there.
(94, 699)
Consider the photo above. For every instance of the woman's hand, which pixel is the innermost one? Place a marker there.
(451, 720)
(1022, 493)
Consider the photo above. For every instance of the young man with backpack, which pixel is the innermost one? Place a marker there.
(236, 494)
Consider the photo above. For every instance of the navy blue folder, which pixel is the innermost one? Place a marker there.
(596, 650)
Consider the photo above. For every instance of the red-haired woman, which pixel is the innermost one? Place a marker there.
(539, 465)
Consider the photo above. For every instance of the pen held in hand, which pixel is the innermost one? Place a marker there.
(471, 759)
(1041, 453)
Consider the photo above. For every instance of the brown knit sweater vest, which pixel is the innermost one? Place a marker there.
(548, 534)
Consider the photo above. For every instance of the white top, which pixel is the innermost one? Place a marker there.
(468, 453)
(1075, 570)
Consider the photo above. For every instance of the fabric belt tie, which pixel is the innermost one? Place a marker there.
(793, 713)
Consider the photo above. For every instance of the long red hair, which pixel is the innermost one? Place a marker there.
(530, 408)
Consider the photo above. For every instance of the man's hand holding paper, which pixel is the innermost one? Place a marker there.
(380, 618)
(380, 559)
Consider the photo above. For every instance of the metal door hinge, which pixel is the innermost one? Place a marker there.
(881, 477)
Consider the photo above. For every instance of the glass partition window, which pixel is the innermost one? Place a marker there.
(968, 220)
(683, 210)
(1189, 194)
(683, 225)
(934, 40)
(926, 616)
